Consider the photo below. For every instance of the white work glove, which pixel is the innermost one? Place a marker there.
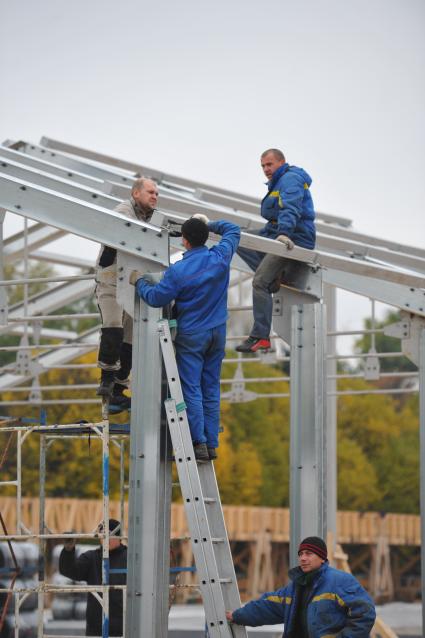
(202, 217)
(135, 275)
(285, 240)
(69, 543)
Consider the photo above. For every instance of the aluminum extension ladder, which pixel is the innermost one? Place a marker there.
(210, 544)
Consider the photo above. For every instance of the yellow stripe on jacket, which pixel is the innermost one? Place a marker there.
(329, 596)
(280, 599)
(277, 194)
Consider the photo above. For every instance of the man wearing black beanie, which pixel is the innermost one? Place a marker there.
(319, 601)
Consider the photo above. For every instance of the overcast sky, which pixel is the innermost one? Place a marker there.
(200, 88)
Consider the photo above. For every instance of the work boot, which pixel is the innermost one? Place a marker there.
(119, 402)
(212, 453)
(106, 384)
(252, 344)
(201, 452)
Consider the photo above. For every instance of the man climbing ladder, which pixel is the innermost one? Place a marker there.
(198, 283)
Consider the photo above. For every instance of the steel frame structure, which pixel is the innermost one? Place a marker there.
(66, 189)
(47, 435)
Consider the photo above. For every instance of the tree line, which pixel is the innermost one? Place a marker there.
(377, 447)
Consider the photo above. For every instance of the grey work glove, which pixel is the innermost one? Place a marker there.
(285, 240)
(69, 543)
(149, 278)
(135, 275)
(202, 217)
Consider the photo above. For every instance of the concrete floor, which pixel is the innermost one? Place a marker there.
(404, 618)
(188, 621)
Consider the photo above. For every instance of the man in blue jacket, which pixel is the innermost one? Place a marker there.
(289, 211)
(319, 602)
(198, 283)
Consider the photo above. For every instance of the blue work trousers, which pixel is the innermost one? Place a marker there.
(199, 358)
(268, 270)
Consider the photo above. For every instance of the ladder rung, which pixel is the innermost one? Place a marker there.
(209, 499)
(217, 540)
(225, 581)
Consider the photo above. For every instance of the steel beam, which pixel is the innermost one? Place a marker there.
(222, 196)
(38, 235)
(150, 486)
(333, 225)
(53, 358)
(365, 251)
(61, 185)
(409, 297)
(405, 295)
(308, 456)
(188, 206)
(344, 247)
(159, 176)
(63, 260)
(377, 242)
(72, 164)
(7, 154)
(50, 300)
(44, 333)
(332, 264)
(84, 219)
(4, 306)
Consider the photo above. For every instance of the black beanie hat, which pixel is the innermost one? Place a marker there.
(316, 545)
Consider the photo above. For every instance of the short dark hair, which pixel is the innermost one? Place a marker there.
(276, 152)
(195, 231)
(114, 527)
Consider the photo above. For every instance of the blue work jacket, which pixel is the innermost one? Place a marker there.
(339, 606)
(288, 207)
(198, 283)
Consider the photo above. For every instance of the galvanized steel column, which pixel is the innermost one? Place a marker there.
(150, 486)
(3, 293)
(331, 419)
(308, 417)
(422, 461)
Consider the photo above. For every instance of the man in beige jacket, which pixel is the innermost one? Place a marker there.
(115, 347)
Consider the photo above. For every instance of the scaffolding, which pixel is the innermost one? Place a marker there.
(108, 435)
(66, 189)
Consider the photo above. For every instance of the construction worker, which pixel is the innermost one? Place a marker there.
(88, 566)
(115, 349)
(198, 283)
(319, 601)
(289, 211)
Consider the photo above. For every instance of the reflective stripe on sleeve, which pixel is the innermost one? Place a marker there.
(280, 599)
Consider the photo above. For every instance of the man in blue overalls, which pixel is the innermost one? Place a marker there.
(198, 283)
(289, 211)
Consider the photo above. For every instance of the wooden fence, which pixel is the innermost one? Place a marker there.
(243, 523)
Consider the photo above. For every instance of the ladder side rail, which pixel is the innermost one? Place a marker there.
(189, 477)
(219, 533)
(218, 573)
(191, 496)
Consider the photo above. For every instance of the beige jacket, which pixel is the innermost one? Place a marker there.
(130, 209)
